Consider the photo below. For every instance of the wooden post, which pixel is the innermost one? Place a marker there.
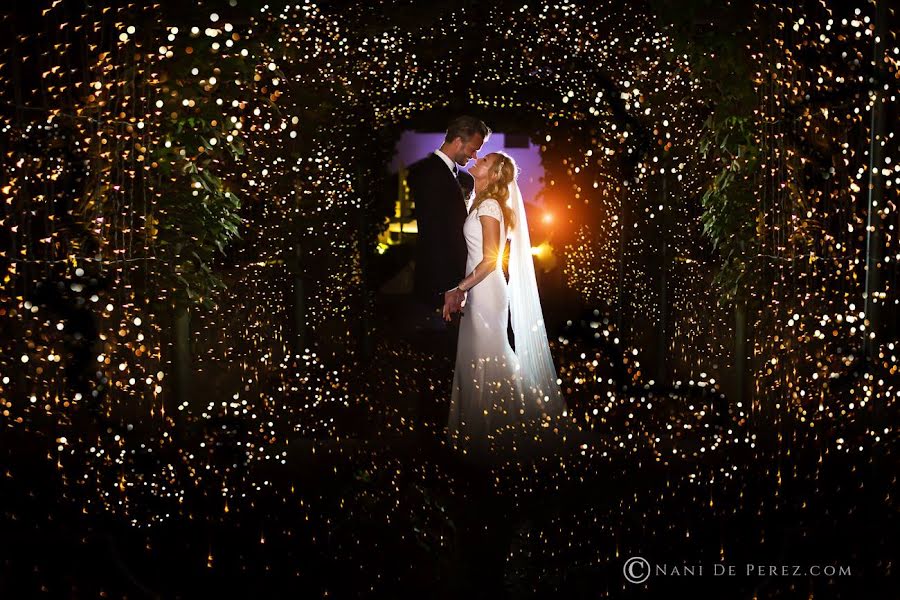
(182, 358)
(875, 228)
(621, 323)
(740, 354)
(365, 337)
(299, 302)
(662, 350)
(365, 342)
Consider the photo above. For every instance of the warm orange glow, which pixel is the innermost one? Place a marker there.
(541, 251)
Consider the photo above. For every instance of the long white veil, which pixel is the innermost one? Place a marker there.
(531, 345)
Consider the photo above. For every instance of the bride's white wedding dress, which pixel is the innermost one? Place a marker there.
(490, 397)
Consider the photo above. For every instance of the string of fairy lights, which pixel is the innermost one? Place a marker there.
(814, 207)
(284, 107)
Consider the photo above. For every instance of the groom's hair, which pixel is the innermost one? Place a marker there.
(465, 127)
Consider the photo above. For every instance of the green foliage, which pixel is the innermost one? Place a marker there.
(196, 214)
(730, 206)
(186, 148)
(715, 38)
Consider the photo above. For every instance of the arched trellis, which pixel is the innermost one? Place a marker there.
(320, 113)
(597, 128)
(311, 188)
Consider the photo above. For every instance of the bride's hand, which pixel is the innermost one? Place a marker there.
(445, 312)
(453, 301)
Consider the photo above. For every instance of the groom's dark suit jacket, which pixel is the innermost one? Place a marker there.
(440, 211)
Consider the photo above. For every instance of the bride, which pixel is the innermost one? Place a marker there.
(497, 391)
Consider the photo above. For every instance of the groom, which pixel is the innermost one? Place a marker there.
(441, 192)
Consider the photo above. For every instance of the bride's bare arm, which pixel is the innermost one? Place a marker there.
(490, 234)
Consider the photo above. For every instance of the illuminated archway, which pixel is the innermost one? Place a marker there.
(614, 113)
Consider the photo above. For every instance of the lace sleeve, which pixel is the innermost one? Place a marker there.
(490, 208)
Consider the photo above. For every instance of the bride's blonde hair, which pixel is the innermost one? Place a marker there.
(502, 173)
